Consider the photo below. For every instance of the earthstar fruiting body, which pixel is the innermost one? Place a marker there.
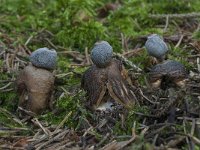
(108, 83)
(156, 47)
(171, 71)
(35, 82)
(35, 87)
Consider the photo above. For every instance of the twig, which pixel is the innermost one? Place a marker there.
(127, 62)
(193, 126)
(123, 137)
(53, 139)
(185, 132)
(194, 139)
(7, 85)
(161, 124)
(155, 139)
(30, 113)
(179, 42)
(68, 52)
(88, 130)
(63, 74)
(198, 64)
(187, 15)
(175, 142)
(147, 98)
(29, 39)
(156, 131)
(13, 116)
(132, 52)
(66, 145)
(46, 131)
(141, 114)
(11, 52)
(66, 92)
(55, 47)
(166, 24)
(103, 140)
(87, 56)
(63, 121)
(60, 145)
(124, 144)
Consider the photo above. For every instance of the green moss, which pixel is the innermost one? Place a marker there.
(75, 23)
(180, 55)
(65, 106)
(130, 120)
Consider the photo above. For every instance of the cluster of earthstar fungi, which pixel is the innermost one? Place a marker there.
(166, 71)
(106, 82)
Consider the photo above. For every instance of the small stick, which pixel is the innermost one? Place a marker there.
(185, 132)
(175, 142)
(68, 144)
(156, 131)
(187, 15)
(63, 121)
(155, 139)
(66, 92)
(103, 140)
(87, 131)
(127, 62)
(60, 145)
(166, 24)
(29, 39)
(109, 146)
(87, 56)
(198, 64)
(193, 126)
(46, 131)
(147, 98)
(193, 138)
(51, 43)
(78, 65)
(63, 74)
(52, 140)
(30, 113)
(37, 134)
(179, 42)
(7, 85)
(123, 137)
(68, 52)
(145, 115)
(13, 116)
(132, 52)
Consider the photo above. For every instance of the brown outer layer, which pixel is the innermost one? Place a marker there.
(35, 86)
(173, 70)
(112, 80)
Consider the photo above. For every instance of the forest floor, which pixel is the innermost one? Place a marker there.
(150, 124)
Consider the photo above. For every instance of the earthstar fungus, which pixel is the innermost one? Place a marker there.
(168, 72)
(106, 81)
(156, 47)
(36, 81)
